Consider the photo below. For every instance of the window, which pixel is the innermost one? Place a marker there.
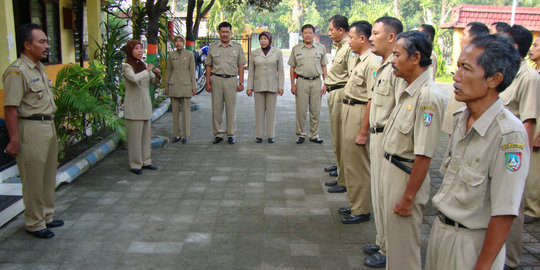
(46, 14)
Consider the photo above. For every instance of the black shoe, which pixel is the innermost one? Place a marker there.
(376, 260)
(185, 140)
(331, 183)
(333, 173)
(271, 140)
(55, 223)
(300, 140)
(150, 167)
(337, 189)
(176, 139)
(136, 171)
(317, 140)
(344, 211)
(529, 219)
(331, 168)
(217, 140)
(231, 140)
(258, 140)
(355, 219)
(371, 249)
(43, 234)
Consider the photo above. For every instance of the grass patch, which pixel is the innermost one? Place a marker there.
(446, 78)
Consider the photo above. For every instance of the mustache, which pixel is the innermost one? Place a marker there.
(394, 67)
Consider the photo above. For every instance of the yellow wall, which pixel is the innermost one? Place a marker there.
(8, 45)
(93, 9)
(66, 35)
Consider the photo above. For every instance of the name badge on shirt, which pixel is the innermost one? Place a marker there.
(35, 80)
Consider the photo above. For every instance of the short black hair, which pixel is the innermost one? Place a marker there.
(224, 24)
(478, 29)
(339, 21)
(416, 41)
(522, 37)
(362, 28)
(499, 56)
(429, 30)
(308, 26)
(391, 24)
(24, 34)
(502, 27)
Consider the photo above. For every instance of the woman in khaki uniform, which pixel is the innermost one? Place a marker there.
(138, 107)
(180, 86)
(266, 80)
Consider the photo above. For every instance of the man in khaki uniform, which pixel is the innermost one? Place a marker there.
(429, 30)
(180, 86)
(485, 166)
(410, 141)
(531, 200)
(383, 100)
(308, 62)
(471, 31)
(355, 125)
(225, 61)
(338, 30)
(522, 98)
(29, 107)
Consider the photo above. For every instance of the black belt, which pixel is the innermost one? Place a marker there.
(334, 87)
(307, 78)
(353, 102)
(448, 221)
(223, 75)
(38, 118)
(376, 130)
(397, 160)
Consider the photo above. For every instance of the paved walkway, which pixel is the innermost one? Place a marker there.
(242, 206)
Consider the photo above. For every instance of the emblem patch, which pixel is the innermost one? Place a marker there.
(427, 119)
(513, 161)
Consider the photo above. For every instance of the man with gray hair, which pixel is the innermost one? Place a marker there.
(409, 143)
(485, 166)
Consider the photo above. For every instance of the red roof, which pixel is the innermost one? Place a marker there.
(529, 17)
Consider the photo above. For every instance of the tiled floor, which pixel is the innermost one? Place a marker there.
(242, 206)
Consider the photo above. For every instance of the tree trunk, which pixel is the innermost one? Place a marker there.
(189, 20)
(154, 11)
(429, 16)
(396, 8)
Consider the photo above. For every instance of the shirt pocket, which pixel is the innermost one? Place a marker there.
(38, 93)
(299, 59)
(470, 187)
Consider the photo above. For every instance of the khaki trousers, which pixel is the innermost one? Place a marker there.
(451, 107)
(139, 144)
(37, 162)
(224, 93)
(456, 248)
(183, 103)
(377, 156)
(514, 242)
(335, 103)
(531, 198)
(402, 233)
(265, 107)
(355, 160)
(308, 93)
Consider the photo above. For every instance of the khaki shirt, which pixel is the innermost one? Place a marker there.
(225, 60)
(383, 97)
(485, 168)
(433, 67)
(362, 77)
(339, 71)
(522, 97)
(181, 73)
(265, 73)
(415, 123)
(28, 88)
(137, 104)
(308, 61)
